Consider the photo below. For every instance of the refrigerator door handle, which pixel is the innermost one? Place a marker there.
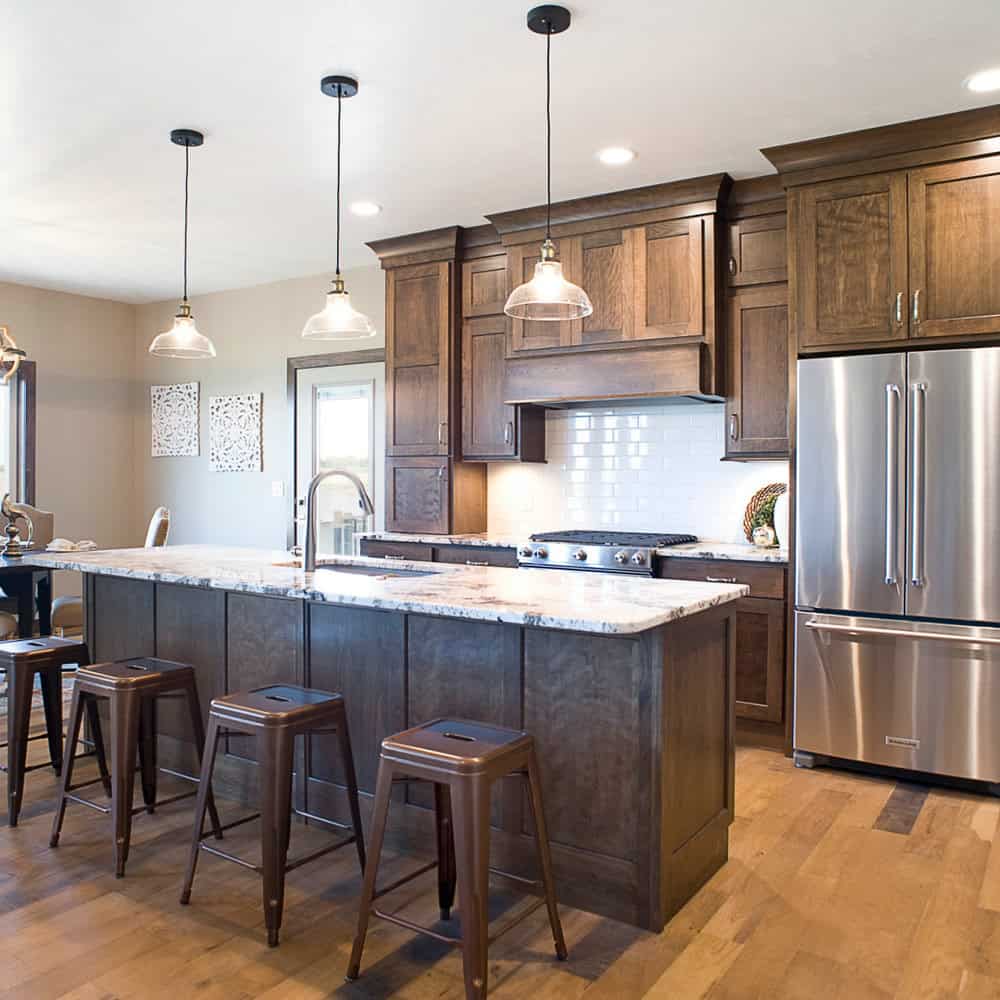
(892, 395)
(918, 397)
(895, 633)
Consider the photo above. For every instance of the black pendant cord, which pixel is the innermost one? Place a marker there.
(340, 108)
(187, 174)
(548, 134)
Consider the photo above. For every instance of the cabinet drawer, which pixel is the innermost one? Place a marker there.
(476, 555)
(396, 550)
(764, 580)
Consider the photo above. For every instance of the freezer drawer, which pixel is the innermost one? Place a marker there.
(906, 694)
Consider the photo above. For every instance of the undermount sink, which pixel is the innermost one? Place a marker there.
(356, 569)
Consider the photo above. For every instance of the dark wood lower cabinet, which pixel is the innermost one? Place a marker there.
(435, 495)
(470, 555)
(760, 659)
(635, 733)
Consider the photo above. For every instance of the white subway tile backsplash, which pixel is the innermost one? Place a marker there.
(654, 468)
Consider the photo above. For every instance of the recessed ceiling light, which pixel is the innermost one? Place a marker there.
(984, 81)
(365, 208)
(615, 156)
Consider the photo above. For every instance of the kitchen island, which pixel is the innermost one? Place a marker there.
(626, 685)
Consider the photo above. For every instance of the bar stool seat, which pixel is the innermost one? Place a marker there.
(132, 688)
(462, 759)
(275, 715)
(21, 660)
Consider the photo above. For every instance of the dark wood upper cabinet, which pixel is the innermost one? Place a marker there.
(954, 254)
(758, 251)
(537, 335)
(850, 245)
(484, 286)
(435, 495)
(607, 276)
(757, 400)
(488, 424)
(418, 356)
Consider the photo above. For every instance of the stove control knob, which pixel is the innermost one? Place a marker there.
(639, 558)
(621, 557)
(580, 555)
(541, 553)
(526, 552)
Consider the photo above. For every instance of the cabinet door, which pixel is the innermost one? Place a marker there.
(488, 425)
(757, 401)
(758, 250)
(418, 314)
(484, 286)
(543, 334)
(668, 259)
(850, 246)
(760, 658)
(954, 249)
(607, 276)
(417, 495)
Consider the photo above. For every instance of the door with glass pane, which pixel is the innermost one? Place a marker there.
(340, 418)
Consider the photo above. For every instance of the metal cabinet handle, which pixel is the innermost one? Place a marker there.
(918, 396)
(721, 579)
(898, 310)
(916, 306)
(892, 395)
(473, 562)
(442, 427)
(441, 472)
(902, 633)
(732, 265)
(508, 432)
(392, 555)
(734, 427)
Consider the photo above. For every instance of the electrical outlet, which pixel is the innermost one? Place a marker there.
(278, 488)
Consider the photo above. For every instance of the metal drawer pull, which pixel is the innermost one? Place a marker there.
(902, 633)
(732, 265)
(721, 579)
(441, 431)
(474, 562)
(508, 432)
(393, 556)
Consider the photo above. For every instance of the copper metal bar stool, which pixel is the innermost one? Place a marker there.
(21, 660)
(463, 759)
(131, 687)
(275, 716)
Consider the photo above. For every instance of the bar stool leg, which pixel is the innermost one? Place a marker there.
(204, 795)
(445, 849)
(276, 751)
(72, 740)
(19, 683)
(147, 752)
(125, 712)
(380, 816)
(97, 735)
(347, 757)
(544, 855)
(471, 814)
(51, 679)
(198, 729)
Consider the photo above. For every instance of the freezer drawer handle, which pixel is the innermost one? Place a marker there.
(902, 633)
(918, 392)
(891, 485)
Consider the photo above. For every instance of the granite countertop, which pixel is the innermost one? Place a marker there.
(557, 599)
(704, 549)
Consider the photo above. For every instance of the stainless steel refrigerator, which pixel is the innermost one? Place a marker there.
(897, 592)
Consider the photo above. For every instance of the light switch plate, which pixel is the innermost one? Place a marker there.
(277, 488)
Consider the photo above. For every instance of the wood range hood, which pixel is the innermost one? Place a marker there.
(648, 257)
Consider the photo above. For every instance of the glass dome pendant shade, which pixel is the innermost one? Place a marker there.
(183, 340)
(338, 320)
(548, 296)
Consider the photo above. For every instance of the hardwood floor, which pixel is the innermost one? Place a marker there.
(838, 886)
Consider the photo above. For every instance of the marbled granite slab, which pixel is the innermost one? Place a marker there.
(479, 539)
(557, 599)
(740, 551)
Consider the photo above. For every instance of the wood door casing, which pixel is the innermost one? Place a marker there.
(538, 335)
(757, 401)
(850, 247)
(489, 426)
(954, 229)
(758, 252)
(760, 658)
(669, 278)
(417, 495)
(418, 358)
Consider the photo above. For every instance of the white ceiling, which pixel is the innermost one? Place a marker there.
(448, 124)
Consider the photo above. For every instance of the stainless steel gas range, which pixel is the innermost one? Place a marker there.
(628, 552)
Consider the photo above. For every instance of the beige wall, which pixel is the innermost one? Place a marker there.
(85, 352)
(254, 330)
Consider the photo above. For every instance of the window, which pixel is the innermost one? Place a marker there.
(17, 434)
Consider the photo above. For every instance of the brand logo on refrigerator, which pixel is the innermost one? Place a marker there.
(902, 741)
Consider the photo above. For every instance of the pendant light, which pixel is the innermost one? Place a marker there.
(548, 296)
(338, 320)
(183, 340)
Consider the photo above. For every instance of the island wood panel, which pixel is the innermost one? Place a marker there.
(465, 670)
(954, 252)
(360, 654)
(851, 254)
(122, 620)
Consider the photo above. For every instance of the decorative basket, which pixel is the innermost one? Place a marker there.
(764, 495)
